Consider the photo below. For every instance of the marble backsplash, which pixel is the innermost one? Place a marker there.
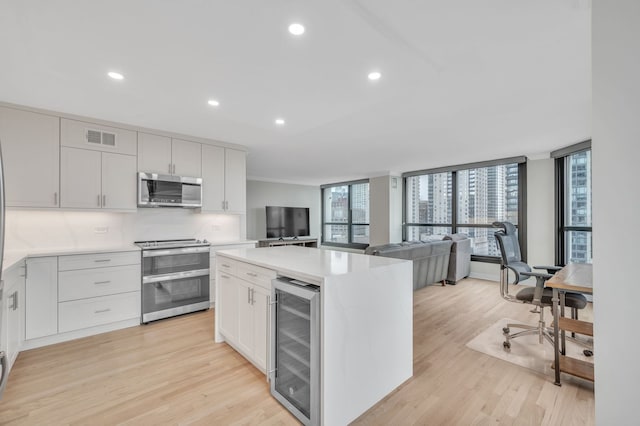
(42, 229)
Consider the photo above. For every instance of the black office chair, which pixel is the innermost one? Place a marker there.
(539, 296)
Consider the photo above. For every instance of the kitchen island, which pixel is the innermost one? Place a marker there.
(366, 319)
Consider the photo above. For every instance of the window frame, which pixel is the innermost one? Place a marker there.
(349, 224)
(560, 156)
(454, 225)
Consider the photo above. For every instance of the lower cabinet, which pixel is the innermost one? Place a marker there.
(84, 313)
(245, 308)
(41, 308)
(75, 292)
(13, 315)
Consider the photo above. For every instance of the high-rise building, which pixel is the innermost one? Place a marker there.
(579, 209)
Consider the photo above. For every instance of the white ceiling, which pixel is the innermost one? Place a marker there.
(462, 81)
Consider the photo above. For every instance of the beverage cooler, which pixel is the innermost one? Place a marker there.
(295, 348)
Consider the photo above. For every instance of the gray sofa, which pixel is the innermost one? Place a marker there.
(460, 259)
(430, 259)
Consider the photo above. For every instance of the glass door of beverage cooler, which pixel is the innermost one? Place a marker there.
(295, 348)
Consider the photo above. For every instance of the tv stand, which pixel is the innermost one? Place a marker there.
(293, 241)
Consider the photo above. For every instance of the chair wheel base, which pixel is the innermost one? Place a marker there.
(506, 345)
(587, 352)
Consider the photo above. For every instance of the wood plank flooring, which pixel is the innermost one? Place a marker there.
(171, 372)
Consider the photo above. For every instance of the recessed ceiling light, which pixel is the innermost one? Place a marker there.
(280, 121)
(115, 75)
(375, 75)
(213, 102)
(296, 29)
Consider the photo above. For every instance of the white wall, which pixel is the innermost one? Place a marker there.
(48, 229)
(616, 208)
(261, 194)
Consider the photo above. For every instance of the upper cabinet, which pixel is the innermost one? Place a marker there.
(224, 180)
(30, 150)
(161, 154)
(84, 135)
(97, 180)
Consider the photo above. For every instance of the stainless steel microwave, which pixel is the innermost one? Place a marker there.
(155, 190)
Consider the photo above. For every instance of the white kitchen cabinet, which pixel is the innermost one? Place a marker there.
(93, 136)
(14, 289)
(224, 180)
(80, 178)
(98, 289)
(228, 314)
(119, 184)
(212, 265)
(30, 150)
(85, 313)
(154, 154)
(244, 308)
(161, 154)
(97, 180)
(187, 158)
(41, 297)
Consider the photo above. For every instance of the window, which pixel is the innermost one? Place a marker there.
(573, 204)
(466, 199)
(345, 214)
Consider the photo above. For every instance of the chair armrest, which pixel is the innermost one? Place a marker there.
(550, 269)
(537, 275)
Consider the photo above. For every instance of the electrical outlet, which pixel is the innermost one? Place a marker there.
(101, 229)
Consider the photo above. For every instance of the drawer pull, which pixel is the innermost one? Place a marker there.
(226, 277)
(101, 282)
(252, 274)
(102, 260)
(224, 265)
(101, 311)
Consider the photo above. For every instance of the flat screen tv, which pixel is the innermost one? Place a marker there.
(287, 222)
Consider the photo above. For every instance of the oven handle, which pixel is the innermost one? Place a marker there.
(174, 276)
(169, 252)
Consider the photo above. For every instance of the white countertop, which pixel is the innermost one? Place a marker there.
(11, 257)
(315, 264)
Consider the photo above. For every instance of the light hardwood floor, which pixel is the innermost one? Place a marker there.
(171, 372)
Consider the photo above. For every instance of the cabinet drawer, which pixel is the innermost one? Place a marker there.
(78, 314)
(97, 260)
(226, 265)
(84, 283)
(255, 274)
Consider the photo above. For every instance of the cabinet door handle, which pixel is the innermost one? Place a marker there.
(174, 168)
(102, 260)
(248, 295)
(98, 200)
(169, 168)
(101, 282)
(101, 311)
(222, 202)
(104, 200)
(14, 303)
(224, 265)
(252, 274)
(226, 277)
(55, 198)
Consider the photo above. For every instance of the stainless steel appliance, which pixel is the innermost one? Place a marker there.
(4, 362)
(175, 278)
(295, 348)
(155, 190)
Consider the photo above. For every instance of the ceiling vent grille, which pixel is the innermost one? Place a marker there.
(98, 137)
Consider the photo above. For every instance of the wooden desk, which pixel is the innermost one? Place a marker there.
(575, 278)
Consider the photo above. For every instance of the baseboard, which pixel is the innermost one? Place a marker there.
(484, 276)
(77, 334)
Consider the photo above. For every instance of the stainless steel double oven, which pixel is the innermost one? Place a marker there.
(175, 278)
